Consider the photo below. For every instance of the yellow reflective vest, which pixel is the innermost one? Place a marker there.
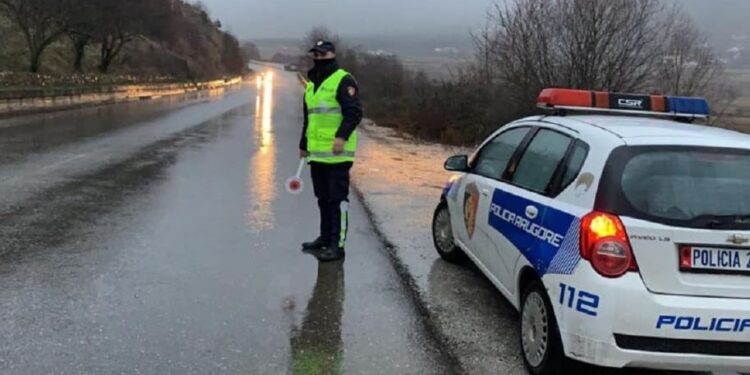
(323, 120)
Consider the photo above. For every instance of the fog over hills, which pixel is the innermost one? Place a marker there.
(417, 27)
(290, 18)
(721, 19)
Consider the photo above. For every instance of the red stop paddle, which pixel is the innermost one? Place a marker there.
(294, 185)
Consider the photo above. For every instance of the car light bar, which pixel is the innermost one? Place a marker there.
(597, 101)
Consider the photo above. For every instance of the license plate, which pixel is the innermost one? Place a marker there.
(715, 260)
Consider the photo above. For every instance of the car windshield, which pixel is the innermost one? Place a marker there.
(690, 186)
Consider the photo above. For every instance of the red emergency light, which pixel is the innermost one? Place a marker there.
(599, 101)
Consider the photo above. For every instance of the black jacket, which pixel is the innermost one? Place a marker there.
(347, 96)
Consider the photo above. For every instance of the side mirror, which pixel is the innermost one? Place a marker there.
(458, 163)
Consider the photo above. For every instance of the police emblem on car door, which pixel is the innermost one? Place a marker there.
(471, 202)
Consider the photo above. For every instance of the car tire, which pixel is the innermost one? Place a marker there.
(541, 346)
(442, 235)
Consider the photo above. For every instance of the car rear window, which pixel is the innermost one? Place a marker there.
(697, 187)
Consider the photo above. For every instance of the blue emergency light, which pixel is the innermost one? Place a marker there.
(597, 101)
(688, 105)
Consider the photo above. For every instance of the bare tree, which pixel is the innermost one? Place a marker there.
(344, 55)
(318, 33)
(688, 66)
(589, 44)
(80, 28)
(232, 57)
(251, 51)
(114, 31)
(40, 23)
(483, 46)
(117, 26)
(79, 40)
(722, 95)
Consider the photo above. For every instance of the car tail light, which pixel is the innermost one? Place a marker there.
(604, 243)
(686, 260)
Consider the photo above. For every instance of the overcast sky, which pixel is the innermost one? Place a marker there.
(251, 19)
(255, 19)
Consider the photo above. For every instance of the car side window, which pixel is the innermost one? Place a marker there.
(575, 163)
(541, 160)
(495, 155)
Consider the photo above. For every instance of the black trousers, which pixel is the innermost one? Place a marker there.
(331, 185)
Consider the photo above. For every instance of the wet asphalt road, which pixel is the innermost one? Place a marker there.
(156, 238)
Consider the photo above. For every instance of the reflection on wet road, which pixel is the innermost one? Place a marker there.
(262, 183)
(155, 238)
(316, 346)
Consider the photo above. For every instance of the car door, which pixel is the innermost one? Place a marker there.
(475, 192)
(521, 220)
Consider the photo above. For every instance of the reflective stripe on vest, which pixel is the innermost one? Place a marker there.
(314, 155)
(323, 110)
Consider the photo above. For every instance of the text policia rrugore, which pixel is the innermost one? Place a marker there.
(536, 230)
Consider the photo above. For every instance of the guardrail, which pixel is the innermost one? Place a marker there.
(15, 102)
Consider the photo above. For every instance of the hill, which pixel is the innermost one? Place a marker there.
(179, 41)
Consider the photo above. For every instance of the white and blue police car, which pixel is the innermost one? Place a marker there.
(621, 235)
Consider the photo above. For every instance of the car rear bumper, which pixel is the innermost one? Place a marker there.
(632, 327)
(610, 354)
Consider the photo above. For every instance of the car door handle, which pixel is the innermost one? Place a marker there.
(485, 192)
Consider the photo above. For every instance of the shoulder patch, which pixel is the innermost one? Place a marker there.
(351, 90)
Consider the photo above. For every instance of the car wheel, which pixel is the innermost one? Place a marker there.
(442, 235)
(541, 345)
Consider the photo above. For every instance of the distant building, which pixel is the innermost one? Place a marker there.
(735, 53)
(447, 51)
(379, 52)
(673, 60)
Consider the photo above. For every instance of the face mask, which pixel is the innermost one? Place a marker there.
(324, 63)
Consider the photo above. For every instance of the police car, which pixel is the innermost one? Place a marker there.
(621, 235)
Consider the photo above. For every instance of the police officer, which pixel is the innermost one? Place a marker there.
(332, 112)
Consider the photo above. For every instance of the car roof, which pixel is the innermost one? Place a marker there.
(645, 130)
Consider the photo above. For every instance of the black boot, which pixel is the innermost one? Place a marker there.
(318, 244)
(331, 254)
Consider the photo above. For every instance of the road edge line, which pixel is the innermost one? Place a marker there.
(407, 279)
